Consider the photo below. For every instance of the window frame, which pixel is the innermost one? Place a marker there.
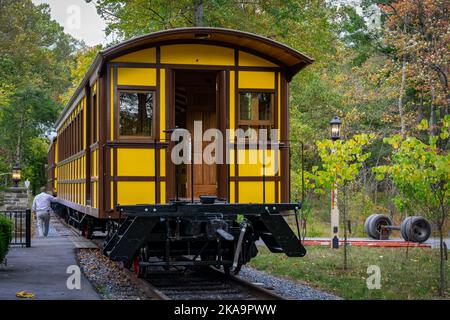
(136, 89)
(257, 123)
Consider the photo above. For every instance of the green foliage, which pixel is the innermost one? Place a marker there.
(35, 62)
(83, 60)
(421, 172)
(6, 228)
(341, 161)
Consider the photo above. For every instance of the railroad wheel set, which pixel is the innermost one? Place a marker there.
(413, 228)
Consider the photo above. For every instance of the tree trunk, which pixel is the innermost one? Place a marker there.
(198, 13)
(442, 249)
(420, 115)
(400, 98)
(433, 120)
(441, 262)
(19, 138)
(344, 211)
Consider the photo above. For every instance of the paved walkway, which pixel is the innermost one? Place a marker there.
(41, 269)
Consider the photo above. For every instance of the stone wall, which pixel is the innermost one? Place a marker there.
(14, 199)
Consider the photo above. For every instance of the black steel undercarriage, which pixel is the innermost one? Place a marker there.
(186, 234)
(191, 234)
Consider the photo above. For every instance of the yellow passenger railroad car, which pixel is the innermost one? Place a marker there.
(112, 165)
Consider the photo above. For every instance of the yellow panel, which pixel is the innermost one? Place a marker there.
(135, 162)
(231, 161)
(82, 193)
(162, 166)
(256, 80)
(56, 152)
(162, 102)
(111, 118)
(141, 56)
(112, 204)
(131, 192)
(162, 192)
(279, 192)
(136, 76)
(95, 163)
(250, 60)
(279, 106)
(198, 54)
(232, 102)
(94, 194)
(251, 163)
(252, 192)
(111, 154)
(232, 195)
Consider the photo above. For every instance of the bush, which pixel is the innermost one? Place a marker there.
(5, 236)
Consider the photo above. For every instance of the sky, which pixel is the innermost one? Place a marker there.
(79, 19)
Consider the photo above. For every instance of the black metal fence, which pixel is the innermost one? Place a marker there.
(21, 220)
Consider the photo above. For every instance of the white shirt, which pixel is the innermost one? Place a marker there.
(42, 202)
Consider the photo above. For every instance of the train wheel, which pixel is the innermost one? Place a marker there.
(404, 228)
(366, 223)
(376, 223)
(136, 267)
(416, 229)
(89, 229)
(229, 271)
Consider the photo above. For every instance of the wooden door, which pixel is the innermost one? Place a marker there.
(202, 108)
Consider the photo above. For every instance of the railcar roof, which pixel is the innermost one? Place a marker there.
(290, 59)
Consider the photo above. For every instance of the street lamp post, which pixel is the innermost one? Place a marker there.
(335, 126)
(16, 174)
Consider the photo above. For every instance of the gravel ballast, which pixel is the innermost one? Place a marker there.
(113, 282)
(110, 281)
(283, 287)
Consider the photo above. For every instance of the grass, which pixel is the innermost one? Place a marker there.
(412, 276)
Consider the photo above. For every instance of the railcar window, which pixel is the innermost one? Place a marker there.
(256, 110)
(136, 113)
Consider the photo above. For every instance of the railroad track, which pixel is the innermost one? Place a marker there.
(204, 284)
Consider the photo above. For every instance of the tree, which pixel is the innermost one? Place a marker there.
(421, 173)
(341, 162)
(415, 34)
(83, 60)
(35, 60)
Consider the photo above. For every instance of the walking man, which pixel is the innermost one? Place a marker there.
(41, 209)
